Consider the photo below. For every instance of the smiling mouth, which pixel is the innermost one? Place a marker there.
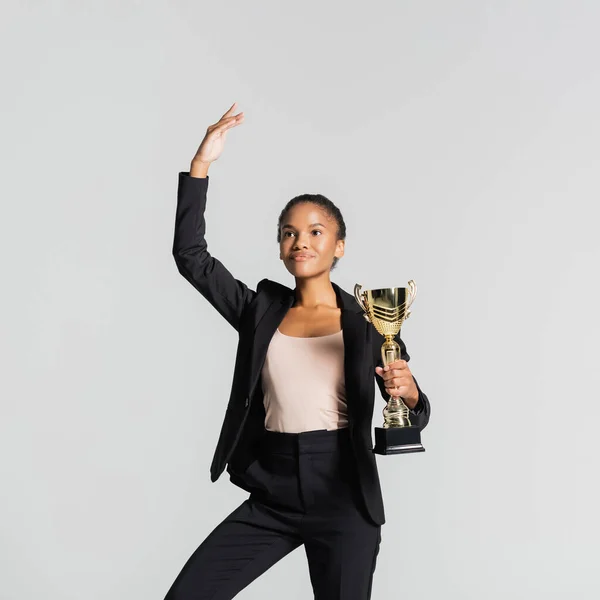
(301, 258)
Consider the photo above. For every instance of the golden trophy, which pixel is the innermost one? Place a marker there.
(386, 309)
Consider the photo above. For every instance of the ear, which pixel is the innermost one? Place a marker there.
(339, 250)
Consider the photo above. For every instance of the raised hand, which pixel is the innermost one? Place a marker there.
(212, 145)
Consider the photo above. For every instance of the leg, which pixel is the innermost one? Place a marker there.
(341, 542)
(342, 557)
(242, 547)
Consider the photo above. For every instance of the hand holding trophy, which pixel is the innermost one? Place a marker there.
(386, 309)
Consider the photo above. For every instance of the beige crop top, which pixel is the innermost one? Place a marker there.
(303, 383)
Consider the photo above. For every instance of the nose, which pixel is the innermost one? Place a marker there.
(300, 243)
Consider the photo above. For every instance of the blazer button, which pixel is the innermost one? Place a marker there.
(247, 403)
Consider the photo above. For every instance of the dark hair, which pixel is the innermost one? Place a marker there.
(327, 205)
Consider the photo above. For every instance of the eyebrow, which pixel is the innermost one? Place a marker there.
(292, 227)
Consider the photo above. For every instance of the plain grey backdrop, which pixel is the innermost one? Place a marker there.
(461, 142)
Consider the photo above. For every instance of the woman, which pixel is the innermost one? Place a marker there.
(297, 429)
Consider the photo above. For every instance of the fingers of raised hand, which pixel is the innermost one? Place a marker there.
(230, 110)
(226, 123)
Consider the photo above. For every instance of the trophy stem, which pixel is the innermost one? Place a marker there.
(395, 413)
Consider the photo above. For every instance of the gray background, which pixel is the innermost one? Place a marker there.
(460, 140)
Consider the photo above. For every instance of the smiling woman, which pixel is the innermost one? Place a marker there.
(297, 429)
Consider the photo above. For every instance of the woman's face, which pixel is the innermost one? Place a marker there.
(307, 229)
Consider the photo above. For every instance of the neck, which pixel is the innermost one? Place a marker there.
(314, 293)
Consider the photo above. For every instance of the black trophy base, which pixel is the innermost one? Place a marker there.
(397, 440)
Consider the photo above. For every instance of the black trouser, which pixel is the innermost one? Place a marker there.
(304, 490)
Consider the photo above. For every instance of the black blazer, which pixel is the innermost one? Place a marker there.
(255, 315)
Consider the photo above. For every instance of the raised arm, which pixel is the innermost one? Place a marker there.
(206, 273)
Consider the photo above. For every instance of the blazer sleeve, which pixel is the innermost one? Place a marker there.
(207, 274)
(422, 409)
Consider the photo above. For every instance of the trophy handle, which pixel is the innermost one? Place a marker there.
(359, 299)
(358, 296)
(412, 293)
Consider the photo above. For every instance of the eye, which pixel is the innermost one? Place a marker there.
(313, 231)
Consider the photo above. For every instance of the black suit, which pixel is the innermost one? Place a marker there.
(255, 315)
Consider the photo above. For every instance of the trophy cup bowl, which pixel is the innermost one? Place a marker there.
(387, 309)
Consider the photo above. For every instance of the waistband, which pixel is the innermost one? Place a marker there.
(318, 440)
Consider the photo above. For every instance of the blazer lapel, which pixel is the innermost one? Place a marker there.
(354, 333)
(265, 330)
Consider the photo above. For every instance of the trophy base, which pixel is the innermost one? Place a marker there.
(397, 440)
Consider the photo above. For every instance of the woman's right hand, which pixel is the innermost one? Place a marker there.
(212, 145)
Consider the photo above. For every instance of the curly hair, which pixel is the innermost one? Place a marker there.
(327, 205)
